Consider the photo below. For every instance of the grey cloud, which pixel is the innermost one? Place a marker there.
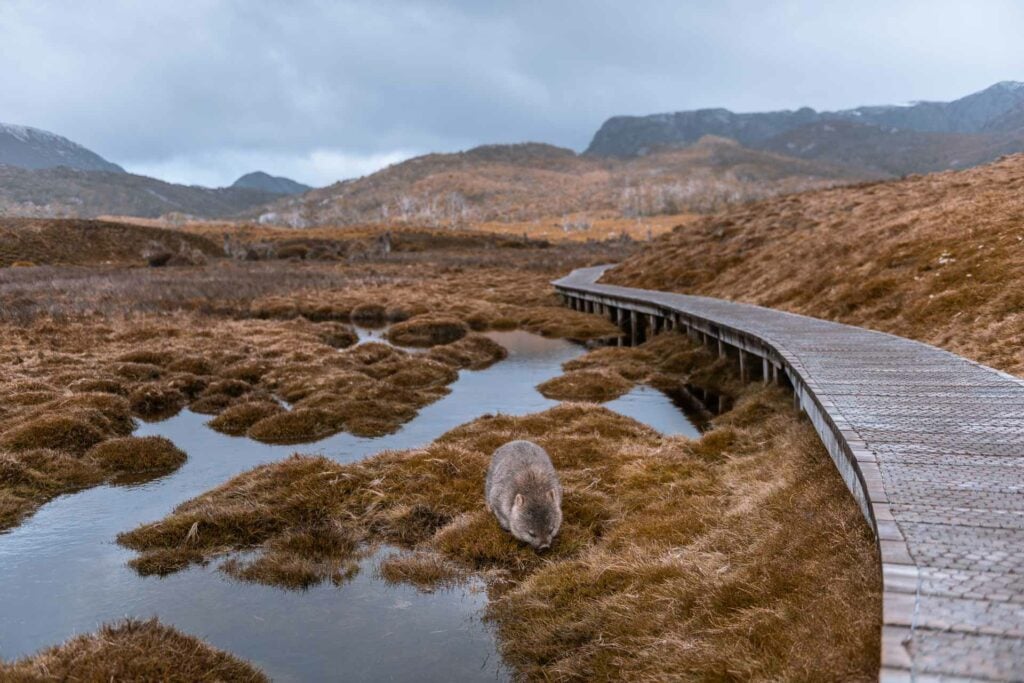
(195, 89)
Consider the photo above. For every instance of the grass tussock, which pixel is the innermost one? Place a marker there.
(67, 442)
(135, 454)
(237, 419)
(597, 386)
(132, 650)
(427, 330)
(739, 555)
(667, 362)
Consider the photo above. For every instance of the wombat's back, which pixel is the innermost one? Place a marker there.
(523, 468)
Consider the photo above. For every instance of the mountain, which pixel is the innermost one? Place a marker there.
(27, 147)
(258, 180)
(530, 181)
(936, 258)
(914, 138)
(892, 152)
(63, 191)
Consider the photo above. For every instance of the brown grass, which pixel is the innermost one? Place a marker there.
(934, 258)
(237, 419)
(83, 350)
(37, 241)
(134, 454)
(427, 330)
(597, 386)
(668, 362)
(131, 650)
(740, 555)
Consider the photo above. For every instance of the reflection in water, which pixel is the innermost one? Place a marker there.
(650, 406)
(61, 573)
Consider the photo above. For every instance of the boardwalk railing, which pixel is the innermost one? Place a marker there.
(930, 444)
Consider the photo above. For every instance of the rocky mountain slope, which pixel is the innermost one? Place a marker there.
(939, 258)
(890, 140)
(27, 147)
(530, 181)
(57, 192)
(264, 182)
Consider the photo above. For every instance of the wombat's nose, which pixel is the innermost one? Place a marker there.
(543, 546)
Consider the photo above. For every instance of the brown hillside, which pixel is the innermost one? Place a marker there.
(32, 241)
(530, 181)
(939, 258)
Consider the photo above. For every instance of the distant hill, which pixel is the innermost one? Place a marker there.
(27, 147)
(88, 242)
(915, 138)
(531, 180)
(936, 258)
(258, 180)
(59, 192)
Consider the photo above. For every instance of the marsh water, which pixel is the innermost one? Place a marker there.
(62, 574)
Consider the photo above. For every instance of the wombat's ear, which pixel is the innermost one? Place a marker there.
(551, 495)
(518, 502)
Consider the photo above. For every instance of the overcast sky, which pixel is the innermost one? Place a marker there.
(203, 91)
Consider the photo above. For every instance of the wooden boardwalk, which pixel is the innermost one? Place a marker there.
(930, 444)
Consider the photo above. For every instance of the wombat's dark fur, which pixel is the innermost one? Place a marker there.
(523, 492)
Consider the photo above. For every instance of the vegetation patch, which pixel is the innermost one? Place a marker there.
(237, 419)
(155, 401)
(297, 426)
(739, 554)
(669, 362)
(586, 385)
(427, 330)
(59, 432)
(135, 454)
(132, 650)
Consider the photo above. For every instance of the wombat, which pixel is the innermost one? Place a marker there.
(523, 492)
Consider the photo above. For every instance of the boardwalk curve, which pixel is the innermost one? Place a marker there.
(930, 444)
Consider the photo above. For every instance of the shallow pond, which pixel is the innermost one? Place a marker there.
(61, 573)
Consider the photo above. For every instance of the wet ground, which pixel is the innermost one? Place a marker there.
(61, 573)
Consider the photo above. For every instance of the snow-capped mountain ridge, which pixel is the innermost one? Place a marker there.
(35, 148)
